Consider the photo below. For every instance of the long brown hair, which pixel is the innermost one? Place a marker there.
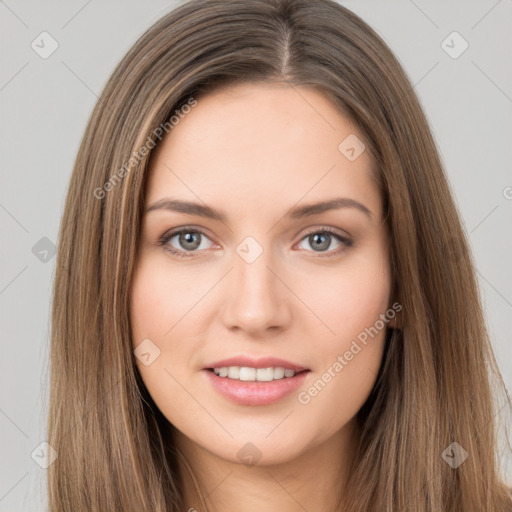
(438, 378)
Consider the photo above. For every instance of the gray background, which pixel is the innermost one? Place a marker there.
(45, 104)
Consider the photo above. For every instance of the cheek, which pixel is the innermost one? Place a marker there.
(161, 297)
(349, 299)
(348, 355)
(347, 367)
(158, 301)
(333, 398)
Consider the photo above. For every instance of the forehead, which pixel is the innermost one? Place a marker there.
(262, 144)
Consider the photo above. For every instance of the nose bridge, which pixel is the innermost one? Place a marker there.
(255, 299)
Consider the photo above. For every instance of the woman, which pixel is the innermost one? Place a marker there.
(264, 297)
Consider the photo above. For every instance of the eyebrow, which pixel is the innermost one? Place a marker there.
(298, 212)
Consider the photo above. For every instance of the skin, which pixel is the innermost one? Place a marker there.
(254, 152)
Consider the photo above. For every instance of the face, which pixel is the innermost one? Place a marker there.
(254, 277)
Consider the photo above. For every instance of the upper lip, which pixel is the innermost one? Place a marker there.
(262, 362)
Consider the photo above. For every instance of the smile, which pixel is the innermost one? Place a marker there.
(245, 388)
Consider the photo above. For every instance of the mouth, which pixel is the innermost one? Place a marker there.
(247, 383)
(247, 364)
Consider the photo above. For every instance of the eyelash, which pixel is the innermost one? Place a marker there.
(166, 237)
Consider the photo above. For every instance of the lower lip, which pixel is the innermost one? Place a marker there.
(253, 392)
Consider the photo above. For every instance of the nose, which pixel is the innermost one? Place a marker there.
(257, 298)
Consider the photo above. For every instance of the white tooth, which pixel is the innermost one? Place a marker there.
(278, 373)
(247, 373)
(265, 374)
(234, 372)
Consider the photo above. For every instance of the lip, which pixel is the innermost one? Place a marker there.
(254, 392)
(263, 362)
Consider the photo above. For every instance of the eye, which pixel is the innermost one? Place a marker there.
(187, 240)
(321, 240)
